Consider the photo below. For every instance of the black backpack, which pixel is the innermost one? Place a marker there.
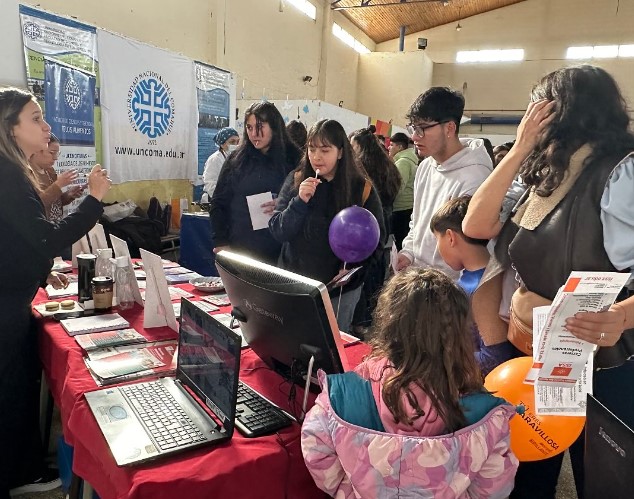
(138, 232)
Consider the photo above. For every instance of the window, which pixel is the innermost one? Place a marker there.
(348, 39)
(306, 7)
(496, 55)
(600, 52)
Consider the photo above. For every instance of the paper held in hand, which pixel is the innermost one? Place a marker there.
(259, 219)
(560, 356)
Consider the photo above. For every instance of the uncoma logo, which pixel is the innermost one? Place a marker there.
(151, 105)
(72, 94)
(32, 30)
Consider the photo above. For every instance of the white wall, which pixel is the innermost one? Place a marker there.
(544, 29)
(390, 82)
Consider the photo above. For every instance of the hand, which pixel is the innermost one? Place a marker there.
(66, 178)
(98, 182)
(268, 207)
(307, 188)
(220, 248)
(601, 328)
(75, 191)
(57, 280)
(538, 115)
(402, 262)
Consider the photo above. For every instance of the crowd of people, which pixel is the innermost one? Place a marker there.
(483, 236)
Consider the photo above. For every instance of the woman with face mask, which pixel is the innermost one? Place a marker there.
(227, 140)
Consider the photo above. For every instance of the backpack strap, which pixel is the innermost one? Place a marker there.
(367, 188)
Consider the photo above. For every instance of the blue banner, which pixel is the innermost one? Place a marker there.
(69, 96)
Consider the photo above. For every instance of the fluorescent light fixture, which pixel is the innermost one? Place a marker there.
(626, 50)
(605, 51)
(349, 40)
(494, 55)
(580, 52)
(306, 7)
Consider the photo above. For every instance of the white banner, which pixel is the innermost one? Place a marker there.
(149, 111)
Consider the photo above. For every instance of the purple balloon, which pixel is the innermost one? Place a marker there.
(353, 234)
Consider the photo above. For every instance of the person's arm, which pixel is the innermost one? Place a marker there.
(320, 454)
(482, 220)
(213, 165)
(24, 213)
(290, 212)
(220, 206)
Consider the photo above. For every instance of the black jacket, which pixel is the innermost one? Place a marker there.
(303, 230)
(229, 211)
(29, 240)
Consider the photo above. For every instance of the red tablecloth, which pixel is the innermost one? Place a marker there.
(270, 466)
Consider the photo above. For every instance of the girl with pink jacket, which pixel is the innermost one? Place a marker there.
(414, 419)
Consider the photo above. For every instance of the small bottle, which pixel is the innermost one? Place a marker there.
(103, 266)
(123, 283)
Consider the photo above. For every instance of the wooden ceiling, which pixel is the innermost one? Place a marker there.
(381, 19)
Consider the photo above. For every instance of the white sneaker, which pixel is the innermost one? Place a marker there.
(48, 481)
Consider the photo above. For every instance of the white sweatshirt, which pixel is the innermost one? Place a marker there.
(434, 185)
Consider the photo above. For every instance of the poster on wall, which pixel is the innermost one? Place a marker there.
(216, 100)
(69, 98)
(149, 111)
(67, 42)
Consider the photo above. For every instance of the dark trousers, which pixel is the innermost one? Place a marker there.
(22, 455)
(400, 226)
(614, 388)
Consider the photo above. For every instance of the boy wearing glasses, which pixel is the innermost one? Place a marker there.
(453, 167)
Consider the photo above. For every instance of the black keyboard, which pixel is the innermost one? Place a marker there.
(257, 416)
(162, 415)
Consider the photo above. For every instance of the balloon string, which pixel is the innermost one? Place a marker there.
(340, 293)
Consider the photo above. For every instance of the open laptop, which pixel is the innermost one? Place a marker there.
(609, 454)
(146, 420)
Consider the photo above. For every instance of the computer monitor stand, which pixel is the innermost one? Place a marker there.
(309, 375)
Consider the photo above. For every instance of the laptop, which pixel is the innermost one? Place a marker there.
(147, 420)
(609, 454)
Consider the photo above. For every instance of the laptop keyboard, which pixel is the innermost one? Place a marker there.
(166, 422)
(257, 416)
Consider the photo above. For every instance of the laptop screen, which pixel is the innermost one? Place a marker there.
(209, 360)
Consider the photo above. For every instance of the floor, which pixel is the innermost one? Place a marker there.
(565, 488)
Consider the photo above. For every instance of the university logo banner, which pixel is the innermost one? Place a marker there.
(149, 111)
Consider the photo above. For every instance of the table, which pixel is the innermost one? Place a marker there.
(270, 466)
(196, 244)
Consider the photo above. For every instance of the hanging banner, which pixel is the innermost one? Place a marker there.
(53, 41)
(149, 111)
(69, 98)
(216, 98)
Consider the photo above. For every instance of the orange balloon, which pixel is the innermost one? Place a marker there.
(533, 437)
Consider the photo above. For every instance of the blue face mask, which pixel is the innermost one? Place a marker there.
(231, 148)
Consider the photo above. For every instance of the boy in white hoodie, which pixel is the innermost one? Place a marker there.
(452, 167)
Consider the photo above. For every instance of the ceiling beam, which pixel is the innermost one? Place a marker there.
(366, 3)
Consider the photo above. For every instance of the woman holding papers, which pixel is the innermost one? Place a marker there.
(574, 154)
(29, 244)
(243, 200)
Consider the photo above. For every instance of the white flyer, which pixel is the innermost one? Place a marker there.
(563, 356)
(259, 219)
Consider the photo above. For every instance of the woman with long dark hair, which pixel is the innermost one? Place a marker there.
(386, 178)
(327, 181)
(30, 242)
(262, 161)
(574, 153)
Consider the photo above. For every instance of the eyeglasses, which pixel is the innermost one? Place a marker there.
(420, 129)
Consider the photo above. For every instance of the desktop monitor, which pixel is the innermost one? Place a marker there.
(286, 318)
